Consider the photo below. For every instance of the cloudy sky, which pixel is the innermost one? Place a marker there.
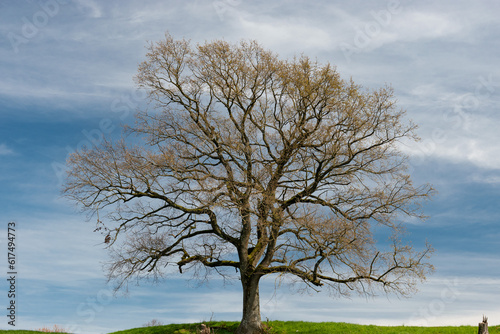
(67, 79)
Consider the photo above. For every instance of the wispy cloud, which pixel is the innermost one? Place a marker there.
(90, 8)
(415, 25)
(4, 150)
(282, 33)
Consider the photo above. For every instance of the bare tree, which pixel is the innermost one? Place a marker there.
(260, 165)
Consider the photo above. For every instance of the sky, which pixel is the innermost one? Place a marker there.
(66, 81)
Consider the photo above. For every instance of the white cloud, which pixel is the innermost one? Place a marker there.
(459, 138)
(385, 26)
(414, 25)
(285, 34)
(457, 122)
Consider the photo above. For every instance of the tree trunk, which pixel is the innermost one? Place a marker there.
(251, 322)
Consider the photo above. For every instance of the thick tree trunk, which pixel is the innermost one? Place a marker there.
(251, 322)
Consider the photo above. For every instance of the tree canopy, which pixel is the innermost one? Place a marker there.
(260, 165)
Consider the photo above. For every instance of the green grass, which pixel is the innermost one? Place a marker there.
(19, 332)
(290, 327)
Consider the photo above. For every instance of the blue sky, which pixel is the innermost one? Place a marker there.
(67, 79)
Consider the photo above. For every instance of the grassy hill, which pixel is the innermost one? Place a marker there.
(289, 327)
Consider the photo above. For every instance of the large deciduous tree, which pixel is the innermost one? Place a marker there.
(260, 165)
